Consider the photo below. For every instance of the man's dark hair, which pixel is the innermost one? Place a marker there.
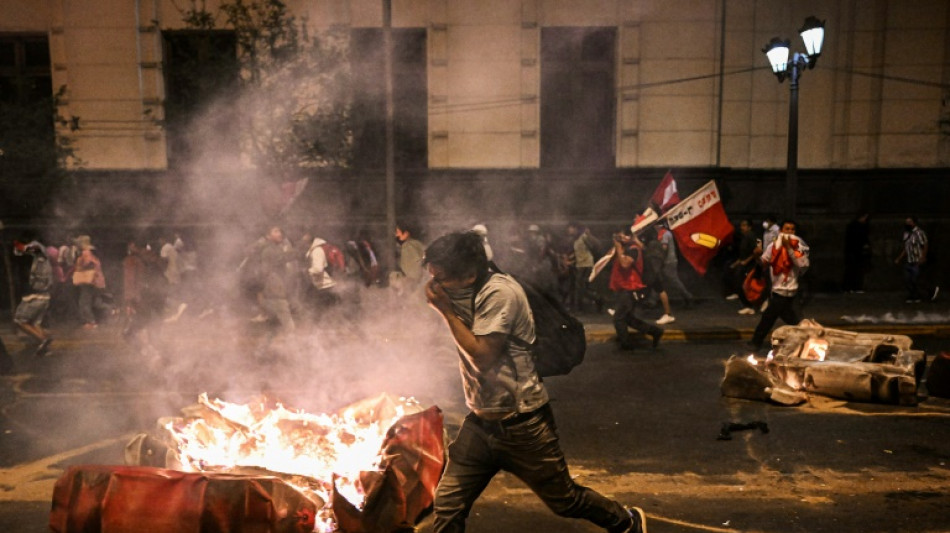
(408, 225)
(790, 221)
(459, 254)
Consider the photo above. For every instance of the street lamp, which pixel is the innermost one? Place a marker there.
(777, 51)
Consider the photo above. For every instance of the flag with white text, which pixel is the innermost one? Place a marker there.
(700, 226)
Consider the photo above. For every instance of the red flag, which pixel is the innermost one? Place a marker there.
(277, 200)
(700, 226)
(665, 196)
(290, 190)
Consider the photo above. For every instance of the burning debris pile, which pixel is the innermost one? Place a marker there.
(373, 466)
(811, 359)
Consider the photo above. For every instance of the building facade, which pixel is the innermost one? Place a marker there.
(687, 84)
(552, 109)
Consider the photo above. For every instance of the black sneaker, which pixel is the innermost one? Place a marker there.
(43, 348)
(656, 338)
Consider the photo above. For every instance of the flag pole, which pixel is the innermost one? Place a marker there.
(684, 200)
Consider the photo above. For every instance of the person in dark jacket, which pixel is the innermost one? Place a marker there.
(857, 253)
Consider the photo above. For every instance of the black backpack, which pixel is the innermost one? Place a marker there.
(560, 340)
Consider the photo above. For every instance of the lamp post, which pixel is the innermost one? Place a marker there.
(777, 51)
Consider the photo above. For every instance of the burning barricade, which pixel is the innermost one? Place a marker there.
(371, 467)
(811, 359)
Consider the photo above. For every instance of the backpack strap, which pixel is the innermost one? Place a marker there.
(480, 283)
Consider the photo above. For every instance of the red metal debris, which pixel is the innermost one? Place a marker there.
(126, 499)
(119, 499)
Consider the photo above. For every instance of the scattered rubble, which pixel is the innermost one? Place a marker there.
(810, 359)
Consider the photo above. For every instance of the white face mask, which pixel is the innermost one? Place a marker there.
(765, 225)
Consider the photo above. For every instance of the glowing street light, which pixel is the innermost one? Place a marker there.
(777, 51)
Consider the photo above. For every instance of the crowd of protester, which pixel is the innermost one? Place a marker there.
(286, 277)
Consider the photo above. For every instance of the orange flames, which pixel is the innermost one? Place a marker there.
(229, 437)
(815, 349)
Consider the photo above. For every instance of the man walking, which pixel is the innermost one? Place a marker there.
(32, 308)
(408, 278)
(626, 281)
(787, 260)
(511, 426)
(274, 256)
(669, 275)
(914, 254)
(584, 245)
(739, 269)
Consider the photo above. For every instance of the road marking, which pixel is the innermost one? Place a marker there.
(691, 525)
(34, 481)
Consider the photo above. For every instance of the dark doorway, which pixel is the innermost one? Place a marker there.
(410, 94)
(200, 67)
(577, 97)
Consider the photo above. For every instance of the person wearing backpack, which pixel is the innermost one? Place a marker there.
(626, 281)
(324, 260)
(511, 425)
(32, 308)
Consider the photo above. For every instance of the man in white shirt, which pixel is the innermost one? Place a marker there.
(787, 260)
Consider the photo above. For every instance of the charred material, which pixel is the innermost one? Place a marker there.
(725, 432)
(811, 359)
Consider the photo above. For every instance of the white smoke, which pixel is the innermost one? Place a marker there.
(920, 317)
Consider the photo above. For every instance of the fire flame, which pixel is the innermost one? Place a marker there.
(231, 437)
(815, 349)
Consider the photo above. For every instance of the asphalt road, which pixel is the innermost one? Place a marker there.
(641, 427)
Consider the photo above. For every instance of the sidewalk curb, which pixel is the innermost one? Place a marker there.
(599, 334)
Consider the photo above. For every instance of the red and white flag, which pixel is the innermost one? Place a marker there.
(700, 226)
(276, 199)
(290, 190)
(665, 196)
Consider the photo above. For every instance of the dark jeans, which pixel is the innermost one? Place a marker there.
(783, 307)
(912, 281)
(583, 291)
(671, 280)
(625, 307)
(527, 446)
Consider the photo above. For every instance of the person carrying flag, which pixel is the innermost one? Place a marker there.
(626, 281)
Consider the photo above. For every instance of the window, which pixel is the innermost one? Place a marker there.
(25, 69)
(410, 111)
(577, 97)
(28, 142)
(199, 67)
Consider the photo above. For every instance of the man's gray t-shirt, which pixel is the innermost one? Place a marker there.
(512, 385)
(667, 240)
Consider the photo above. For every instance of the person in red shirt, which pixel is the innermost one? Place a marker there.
(626, 281)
